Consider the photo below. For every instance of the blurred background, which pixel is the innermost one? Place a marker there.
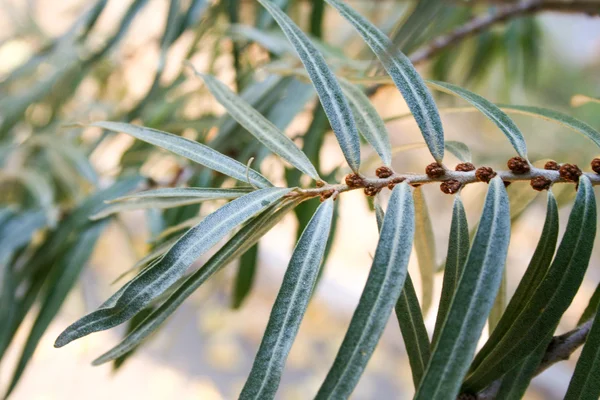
(79, 61)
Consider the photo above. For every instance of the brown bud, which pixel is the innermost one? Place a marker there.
(320, 184)
(384, 172)
(435, 170)
(327, 194)
(596, 165)
(450, 186)
(394, 182)
(484, 174)
(552, 165)
(465, 167)
(354, 180)
(372, 190)
(540, 183)
(518, 165)
(570, 172)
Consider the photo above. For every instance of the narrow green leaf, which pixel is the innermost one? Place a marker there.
(472, 300)
(368, 121)
(410, 320)
(244, 278)
(458, 250)
(551, 298)
(535, 273)
(584, 382)
(458, 150)
(499, 305)
(491, 111)
(414, 332)
(245, 238)
(289, 307)
(425, 248)
(328, 89)
(167, 198)
(591, 308)
(405, 77)
(556, 116)
(260, 127)
(189, 149)
(515, 382)
(150, 283)
(132, 324)
(383, 287)
(60, 282)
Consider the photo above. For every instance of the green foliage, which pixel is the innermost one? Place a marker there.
(54, 205)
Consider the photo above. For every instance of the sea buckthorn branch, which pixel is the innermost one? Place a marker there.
(452, 181)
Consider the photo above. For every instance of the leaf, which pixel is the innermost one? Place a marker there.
(368, 121)
(515, 382)
(581, 99)
(245, 238)
(62, 278)
(152, 282)
(535, 273)
(458, 150)
(458, 250)
(552, 296)
(289, 307)
(473, 299)
(189, 149)
(167, 198)
(328, 89)
(383, 287)
(16, 231)
(410, 320)
(491, 111)
(591, 308)
(584, 382)
(424, 247)
(414, 332)
(260, 127)
(244, 277)
(405, 77)
(556, 116)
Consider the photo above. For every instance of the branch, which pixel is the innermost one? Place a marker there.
(502, 14)
(451, 181)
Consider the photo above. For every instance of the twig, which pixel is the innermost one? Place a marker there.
(374, 185)
(502, 14)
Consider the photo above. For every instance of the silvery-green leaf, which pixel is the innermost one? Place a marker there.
(473, 298)
(244, 277)
(405, 77)
(154, 281)
(328, 89)
(414, 332)
(271, 41)
(535, 273)
(260, 127)
(458, 150)
(237, 245)
(61, 280)
(368, 121)
(458, 250)
(289, 307)
(190, 149)
(383, 287)
(552, 297)
(167, 198)
(585, 384)
(425, 248)
(502, 121)
(555, 116)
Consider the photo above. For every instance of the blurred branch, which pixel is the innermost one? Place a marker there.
(502, 14)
